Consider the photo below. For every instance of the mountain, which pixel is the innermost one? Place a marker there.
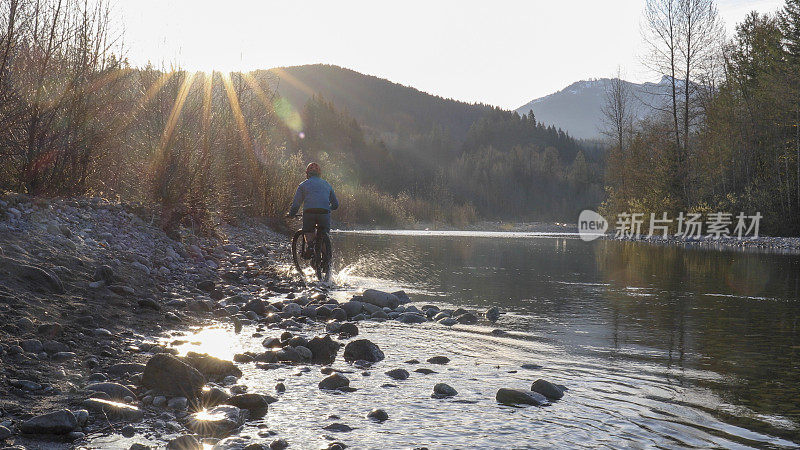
(577, 108)
(390, 110)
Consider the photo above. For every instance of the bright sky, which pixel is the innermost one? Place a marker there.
(500, 52)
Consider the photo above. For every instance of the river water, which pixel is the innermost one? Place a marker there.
(660, 346)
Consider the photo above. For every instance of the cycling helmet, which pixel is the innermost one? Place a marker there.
(313, 169)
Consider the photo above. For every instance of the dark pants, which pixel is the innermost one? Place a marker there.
(310, 219)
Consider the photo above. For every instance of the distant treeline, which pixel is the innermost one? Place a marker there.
(728, 140)
(74, 118)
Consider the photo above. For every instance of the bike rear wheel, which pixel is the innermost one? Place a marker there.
(324, 253)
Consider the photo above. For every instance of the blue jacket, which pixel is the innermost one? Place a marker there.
(314, 193)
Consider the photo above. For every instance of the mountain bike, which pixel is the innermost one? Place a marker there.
(319, 262)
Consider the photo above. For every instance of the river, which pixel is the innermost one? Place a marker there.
(660, 346)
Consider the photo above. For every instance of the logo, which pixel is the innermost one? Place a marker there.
(591, 225)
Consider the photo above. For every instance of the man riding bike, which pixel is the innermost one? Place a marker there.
(318, 200)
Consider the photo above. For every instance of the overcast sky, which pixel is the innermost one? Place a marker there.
(499, 52)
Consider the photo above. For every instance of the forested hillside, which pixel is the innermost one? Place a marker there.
(395, 111)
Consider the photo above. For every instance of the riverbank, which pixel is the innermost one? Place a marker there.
(91, 293)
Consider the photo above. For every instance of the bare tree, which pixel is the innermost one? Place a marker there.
(618, 110)
(662, 35)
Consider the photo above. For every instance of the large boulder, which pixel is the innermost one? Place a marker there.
(169, 375)
(211, 367)
(57, 422)
(363, 349)
(323, 349)
(218, 422)
(520, 397)
(492, 314)
(380, 298)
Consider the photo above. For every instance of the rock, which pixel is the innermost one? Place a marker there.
(41, 277)
(411, 317)
(379, 315)
(278, 444)
(380, 298)
(425, 371)
(352, 308)
(212, 368)
(378, 415)
(138, 446)
(113, 410)
(185, 442)
(242, 358)
(101, 332)
(334, 381)
(168, 375)
(280, 387)
(530, 366)
(520, 397)
(4, 433)
(115, 391)
(159, 401)
(271, 343)
(206, 285)
(128, 431)
(213, 396)
(338, 314)
(178, 403)
(219, 421)
(398, 374)
(291, 310)
(25, 385)
(402, 296)
(57, 422)
(54, 346)
(32, 345)
(125, 368)
(447, 321)
(250, 401)
(548, 389)
(323, 349)
(467, 319)
(149, 303)
(82, 416)
(492, 314)
(442, 390)
(348, 330)
(256, 305)
(439, 360)
(49, 330)
(362, 349)
(441, 315)
(338, 427)
(104, 274)
(304, 352)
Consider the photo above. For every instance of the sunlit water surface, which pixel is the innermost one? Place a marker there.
(660, 346)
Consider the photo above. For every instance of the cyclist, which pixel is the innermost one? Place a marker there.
(318, 200)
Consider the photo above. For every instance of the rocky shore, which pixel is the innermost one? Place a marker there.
(89, 287)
